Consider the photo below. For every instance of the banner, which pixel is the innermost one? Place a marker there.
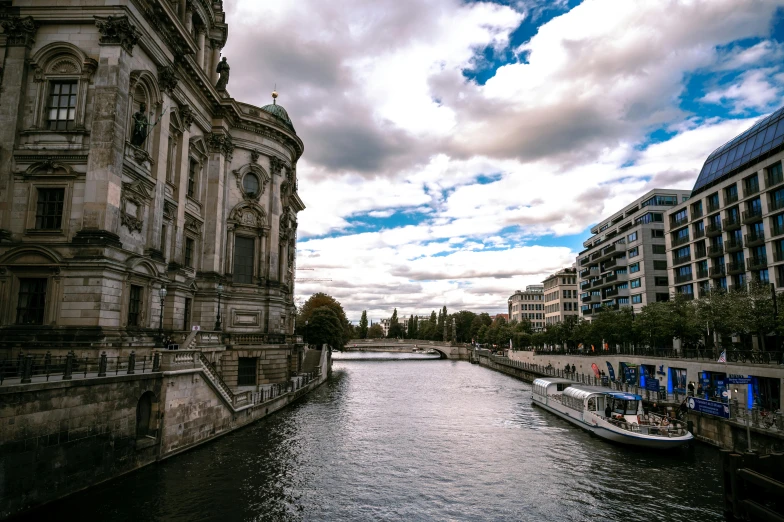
(610, 371)
(738, 379)
(652, 384)
(717, 409)
(595, 370)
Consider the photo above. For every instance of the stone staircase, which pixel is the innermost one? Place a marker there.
(312, 361)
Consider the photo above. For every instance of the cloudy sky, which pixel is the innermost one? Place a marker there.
(458, 150)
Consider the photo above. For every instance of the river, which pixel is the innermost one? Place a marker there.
(392, 439)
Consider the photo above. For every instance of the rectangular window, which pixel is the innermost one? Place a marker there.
(49, 209)
(751, 185)
(682, 252)
(61, 113)
(637, 299)
(189, 243)
(246, 371)
(659, 249)
(661, 281)
(657, 233)
(134, 305)
(635, 283)
(632, 237)
(243, 259)
(634, 268)
(192, 178)
(186, 314)
(650, 217)
(660, 265)
(32, 301)
(171, 159)
(660, 298)
(634, 252)
(763, 276)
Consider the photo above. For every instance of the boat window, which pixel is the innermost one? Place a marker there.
(592, 404)
(631, 408)
(562, 386)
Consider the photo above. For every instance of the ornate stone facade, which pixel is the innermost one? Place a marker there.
(93, 227)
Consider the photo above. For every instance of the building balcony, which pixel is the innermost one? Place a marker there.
(713, 207)
(718, 271)
(700, 253)
(716, 251)
(612, 292)
(752, 215)
(774, 180)
(590, 298)
(696, 213)
(729, 199)
(755, 239)
(597, 283)
(757, 263)
(776, 204)
(587, 311)
(713, 229)
(778, 256)
(678, 221)
(677, 241)
(687, 295)
(750, 189)
(681, 260)
(584, 261)
(733, 245)
(702, 274)
(685, 278)
(585, 285)
(699, 233)
(618, 261)
(736, 268)
(776, 230)
(731, 223)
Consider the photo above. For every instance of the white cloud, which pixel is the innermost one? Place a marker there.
(758, 89)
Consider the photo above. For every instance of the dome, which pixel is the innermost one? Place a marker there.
(278, 111)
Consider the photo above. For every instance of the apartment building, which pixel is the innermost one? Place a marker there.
(560, 296)
(731, 231)
(528, 305)
(625, 260)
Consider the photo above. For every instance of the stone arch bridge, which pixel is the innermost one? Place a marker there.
(457, 352)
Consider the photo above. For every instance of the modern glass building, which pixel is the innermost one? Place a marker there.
(731, 231)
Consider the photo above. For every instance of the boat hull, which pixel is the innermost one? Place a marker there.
(626, 438)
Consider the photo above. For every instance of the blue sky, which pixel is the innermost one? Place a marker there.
(455, 156)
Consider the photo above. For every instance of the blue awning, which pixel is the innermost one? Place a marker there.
(624, 396)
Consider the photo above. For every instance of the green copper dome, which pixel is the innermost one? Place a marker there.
(278, 111)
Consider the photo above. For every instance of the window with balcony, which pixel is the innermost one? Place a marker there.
(31, 303)
(623, 301)
(777, 199)
(713, 202)
(680, 216)
(696, 209)
(750, 185)
(730, 194)
(49, 209)
(777, 224)
(682, 252)
(774, 175)
(685, 289)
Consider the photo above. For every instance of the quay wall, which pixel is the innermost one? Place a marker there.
(59, 437)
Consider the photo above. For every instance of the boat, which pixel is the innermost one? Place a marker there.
(584, 406)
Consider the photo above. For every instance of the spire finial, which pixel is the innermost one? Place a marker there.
(275, 95)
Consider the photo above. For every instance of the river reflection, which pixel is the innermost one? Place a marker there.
(411, 440)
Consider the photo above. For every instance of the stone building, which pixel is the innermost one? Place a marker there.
(731, 231)
(528, 305)
(560, 296)
(127, 169)
(625, 261)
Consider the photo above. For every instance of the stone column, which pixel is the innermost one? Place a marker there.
(183, 164)
(20, 37)
(216, 52)
(201, 43)
(221, 148)
(188, 16)
(182, 10)
(261, 271)
(103, 184)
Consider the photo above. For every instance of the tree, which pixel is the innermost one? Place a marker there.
(363, 325)
(375, 332)
(324, 327)
(463, 321)
(395, 328)
(317, 301)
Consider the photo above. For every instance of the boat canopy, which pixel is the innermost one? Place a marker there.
(624, 396)
(583, 392)
(552, 380)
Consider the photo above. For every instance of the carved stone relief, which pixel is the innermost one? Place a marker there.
(117, 30)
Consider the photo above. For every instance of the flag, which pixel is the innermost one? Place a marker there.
(723, 357)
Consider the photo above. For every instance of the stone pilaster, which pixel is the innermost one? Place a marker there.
(220, 147)
(186, 115)
(110, 121)
(213, 69)
(20, 36)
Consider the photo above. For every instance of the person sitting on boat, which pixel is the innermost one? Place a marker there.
(608, 412)
(665, 422)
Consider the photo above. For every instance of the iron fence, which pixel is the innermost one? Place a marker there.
(27, 368)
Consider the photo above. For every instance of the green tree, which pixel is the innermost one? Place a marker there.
(363, 325)
(375, 332)
(395, 328)
(317, 301)
(324, 327)
(464, 321)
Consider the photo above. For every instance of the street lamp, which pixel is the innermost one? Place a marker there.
(306, 331)
(218, 319)
(162, 294)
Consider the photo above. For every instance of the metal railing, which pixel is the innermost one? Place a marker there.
(28, 368)
(733, 355)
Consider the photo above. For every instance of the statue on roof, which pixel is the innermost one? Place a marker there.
(223, 72)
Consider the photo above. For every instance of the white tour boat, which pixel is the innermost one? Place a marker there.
(585, 406)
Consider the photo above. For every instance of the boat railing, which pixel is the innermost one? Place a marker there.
(652, 424)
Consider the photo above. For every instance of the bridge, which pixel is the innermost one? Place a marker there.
(457, 352)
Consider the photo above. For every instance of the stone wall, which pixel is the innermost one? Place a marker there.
(59, 437)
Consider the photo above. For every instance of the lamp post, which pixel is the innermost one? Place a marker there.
(218, 319)
(162, 294)
(306, 332)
